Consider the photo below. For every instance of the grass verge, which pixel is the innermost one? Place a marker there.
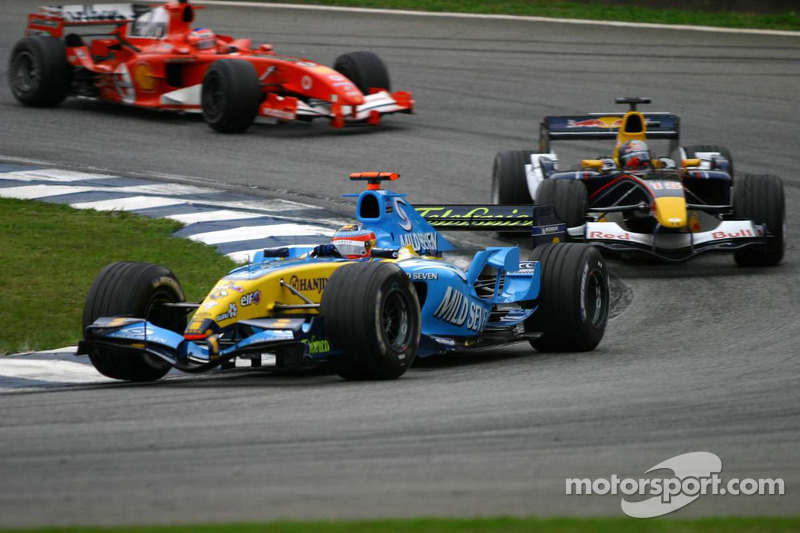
(52, 253)
(788, 20)
(476, 525)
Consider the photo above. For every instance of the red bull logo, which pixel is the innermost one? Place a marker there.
(601, 122)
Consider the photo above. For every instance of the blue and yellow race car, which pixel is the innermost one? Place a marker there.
(367, 303)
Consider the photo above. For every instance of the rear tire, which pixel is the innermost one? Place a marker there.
(38, 72)
(761, 199)
(365, 69)
(573, 300)
(568, 197)
(691, 152)
(372, 313)
(231, 95)
(132, 289)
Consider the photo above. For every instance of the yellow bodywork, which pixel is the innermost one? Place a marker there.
(670, 211)
(234, 300)
(633, 128)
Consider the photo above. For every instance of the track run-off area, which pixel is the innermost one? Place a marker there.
(704, 358)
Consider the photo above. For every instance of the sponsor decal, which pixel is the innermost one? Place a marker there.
(316, 346)
(425, 276)
(230, 313)
(742, 233)
(405, 222)
(252, 298)
(144, 77)
(152, 25)
(135, 333)
(442, 340)
(421, 241)
(210, 305)
(583, 291)
(96, 12)
(479, 216)
(525, 267)
(306, 82)
(308, 284)
(218, 294)
(624, 236)
(605, 122)
(280, 114)
(456, 308)
(233, 287)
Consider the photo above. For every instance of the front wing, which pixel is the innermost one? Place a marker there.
(727, 236)
(269, 335)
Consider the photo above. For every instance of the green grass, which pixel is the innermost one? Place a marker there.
(476, 525)
(788, 20)
(51, 254)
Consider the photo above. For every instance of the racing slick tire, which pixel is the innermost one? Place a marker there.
(365, 69)
(509, 183)
(372, 313)
(691, 152)
(573, 300)
(760, 199)
(38, 72)
(132, 289)
(231, 95)
(568, 197)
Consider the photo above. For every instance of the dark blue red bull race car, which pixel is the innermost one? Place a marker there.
(632, 201)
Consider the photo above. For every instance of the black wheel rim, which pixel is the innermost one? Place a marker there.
(25, 73)
(213, 98)
(396, 320)
(596, 298)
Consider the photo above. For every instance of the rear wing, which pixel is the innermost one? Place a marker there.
(600, 126)
(538, 221)
(51, 20)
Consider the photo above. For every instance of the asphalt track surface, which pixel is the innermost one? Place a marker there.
(704, 358)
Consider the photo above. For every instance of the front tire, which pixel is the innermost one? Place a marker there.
(365, 69)
(231, 95)
(132, 289)
(38, 72)
(568, 197)
(372, 313)
(573, 300)
(509, 181)
(761, 199)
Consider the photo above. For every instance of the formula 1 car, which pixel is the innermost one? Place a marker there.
(152, 58)
(653, 206)
(368, 317)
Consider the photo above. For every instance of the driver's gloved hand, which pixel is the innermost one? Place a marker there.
(325, 250)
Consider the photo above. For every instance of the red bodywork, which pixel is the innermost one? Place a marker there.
(147, 60)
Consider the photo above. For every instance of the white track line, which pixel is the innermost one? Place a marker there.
(249, 233)
(131, 203)
(213, 216)
(31, 192)
(51, 174)
(612, 23)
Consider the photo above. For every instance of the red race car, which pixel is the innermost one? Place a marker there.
(154, 58)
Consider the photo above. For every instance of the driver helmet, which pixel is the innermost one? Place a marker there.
(203, 39)
(634, 155)
(353, 241)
